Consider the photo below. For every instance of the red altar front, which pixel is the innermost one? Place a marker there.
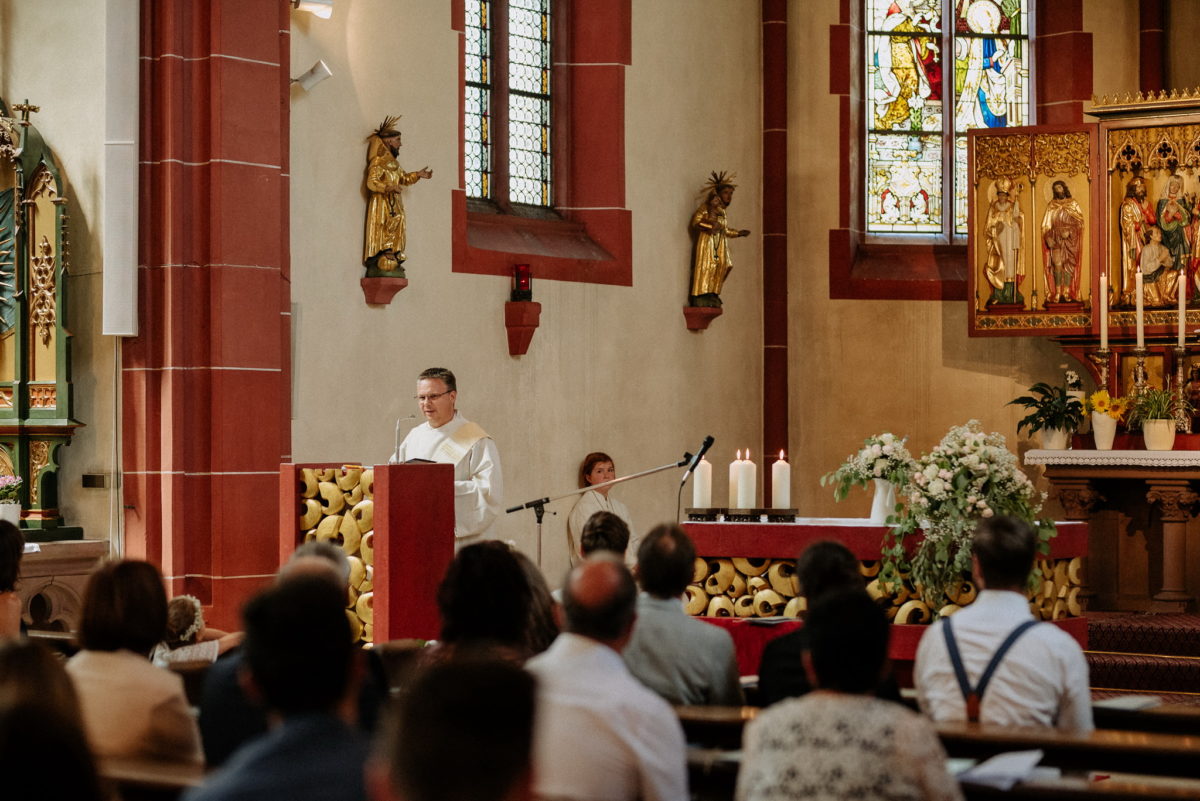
(787, 540)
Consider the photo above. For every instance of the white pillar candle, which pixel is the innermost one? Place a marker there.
(781, 484)
(1104, 311)
(747, 483)
(1182, 306)
(702, 485)
(735, 471)
(1141, 322)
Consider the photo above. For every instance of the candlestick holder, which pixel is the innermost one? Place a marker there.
(1183, 420)
(1100, 359)
(1140, 378)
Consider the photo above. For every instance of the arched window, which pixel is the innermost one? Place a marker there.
(934, 69)
(507, 122)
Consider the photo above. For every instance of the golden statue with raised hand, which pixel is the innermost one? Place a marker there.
(383, 251)
(712, 262)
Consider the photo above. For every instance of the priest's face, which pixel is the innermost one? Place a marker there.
(437, 403)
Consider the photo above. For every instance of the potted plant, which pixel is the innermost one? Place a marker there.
(1053, 410)
(10, 502)
(1106, 412)
(1154, 410)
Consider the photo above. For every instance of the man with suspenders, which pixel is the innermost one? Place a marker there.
(992, 661)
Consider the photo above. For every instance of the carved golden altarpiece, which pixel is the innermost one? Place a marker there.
(36, 417)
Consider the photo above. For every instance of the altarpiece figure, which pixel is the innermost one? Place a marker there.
(712, 262)
(1062, 238)
(1004, 232)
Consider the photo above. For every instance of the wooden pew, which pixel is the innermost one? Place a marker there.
(148, 779)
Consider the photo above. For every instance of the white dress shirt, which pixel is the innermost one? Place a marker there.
(478, 483)
(599, 734)
(1042, 681)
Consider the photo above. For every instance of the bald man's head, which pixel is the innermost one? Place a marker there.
(600, 599)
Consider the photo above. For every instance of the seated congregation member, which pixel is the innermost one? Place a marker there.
(12, 548)
(839, 741)
(228, 719)
(543, 608)
(599, 734)
(604, 531)
(484, 601)
(684, 660)
(476, 714)
(1038, 675)
(43, 751)
(299, 659)
(188, 638)
(597, 468)
(824, 567)
(130, 707)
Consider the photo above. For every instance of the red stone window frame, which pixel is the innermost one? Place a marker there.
(588, 237)
(859, 269)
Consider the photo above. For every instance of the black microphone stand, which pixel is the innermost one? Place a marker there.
(539, 506)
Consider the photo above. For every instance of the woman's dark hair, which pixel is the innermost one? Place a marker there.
(485, 596)
(31, 672)
(848, 633)
(124, 607)
(12, 548)
(45, 755)
(589, 462)
(543, 626)
(826, 566)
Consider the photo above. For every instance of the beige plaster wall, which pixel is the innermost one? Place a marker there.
(610, 368)
(1114, 28)
(53, 57)
(868, 366)
(1183, 68)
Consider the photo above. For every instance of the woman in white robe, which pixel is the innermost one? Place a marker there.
(597, 468)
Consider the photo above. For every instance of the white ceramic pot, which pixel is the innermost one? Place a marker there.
(1159, 434)
(11, 512)
(1055, 439)
(1081, 396)
(884, 502)
(1104, 429)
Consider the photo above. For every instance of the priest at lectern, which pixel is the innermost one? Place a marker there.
(447, 437)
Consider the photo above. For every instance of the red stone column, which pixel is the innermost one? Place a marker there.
(774, 234)
(206, 400)
(1152, 45)
(1063, 62)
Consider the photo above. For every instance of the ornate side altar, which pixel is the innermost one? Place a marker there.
(763, 547)
(35, 356)
(1138, 505)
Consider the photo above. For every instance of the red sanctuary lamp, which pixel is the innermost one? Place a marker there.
(521, 313)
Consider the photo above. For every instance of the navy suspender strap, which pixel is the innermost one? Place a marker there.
(974, 696)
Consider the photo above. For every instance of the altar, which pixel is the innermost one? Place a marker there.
(1140, 507)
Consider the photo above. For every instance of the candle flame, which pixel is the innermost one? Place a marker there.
(739, 455)
(781, 457)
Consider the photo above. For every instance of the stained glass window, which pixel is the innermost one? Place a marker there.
(478, 140)
(524, 61)
(926, 85)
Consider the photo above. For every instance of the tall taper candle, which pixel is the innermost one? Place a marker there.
(781, 484)
(1141, 320)
(1104, 311)
(702, 485)
(1182, 287)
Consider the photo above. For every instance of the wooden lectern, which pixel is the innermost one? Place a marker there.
(413, 541)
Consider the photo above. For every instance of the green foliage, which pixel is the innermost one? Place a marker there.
(1157, 404)
(1051, 407)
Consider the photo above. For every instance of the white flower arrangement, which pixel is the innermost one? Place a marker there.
(882, 456)
(1073, 382)
(968, 476)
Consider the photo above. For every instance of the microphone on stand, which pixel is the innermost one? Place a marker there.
(704, 446)
(396, 453)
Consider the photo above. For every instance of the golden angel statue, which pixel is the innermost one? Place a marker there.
(383, 250)
(712, 262)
